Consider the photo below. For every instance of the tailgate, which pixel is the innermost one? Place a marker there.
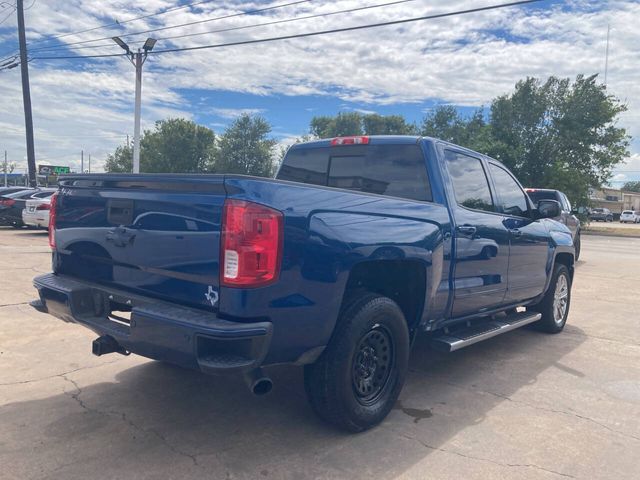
(157, 235)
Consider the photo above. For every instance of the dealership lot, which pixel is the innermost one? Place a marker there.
(522, 405)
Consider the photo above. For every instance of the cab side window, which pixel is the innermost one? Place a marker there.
(513, 200)
(470, 184)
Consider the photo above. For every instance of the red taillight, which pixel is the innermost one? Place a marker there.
(360, 140)
(7, 202)
(251, 244)
(52, 220)
(43, 206)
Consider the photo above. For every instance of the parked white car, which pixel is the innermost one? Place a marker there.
(629, 216)
(36, 212)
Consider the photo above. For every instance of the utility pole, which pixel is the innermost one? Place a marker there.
(6, 169)
(89, 163)
(606, 56)
(137, 59)
(26, 94)
(81, 161)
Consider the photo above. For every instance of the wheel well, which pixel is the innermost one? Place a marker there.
(567, 260)
(403, 281)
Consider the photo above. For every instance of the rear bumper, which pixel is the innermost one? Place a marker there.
(163, 331)
(35, 219)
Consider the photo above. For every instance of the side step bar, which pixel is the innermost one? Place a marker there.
(453, 340)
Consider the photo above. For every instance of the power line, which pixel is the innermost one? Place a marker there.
(8, 15)
(244, 27)
(188, 24)
(113, 24)
(308, 34)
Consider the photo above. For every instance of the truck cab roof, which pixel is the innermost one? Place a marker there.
(371, 140)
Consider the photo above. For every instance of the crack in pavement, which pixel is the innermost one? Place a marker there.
(123, 416)
(61, 375)
(13, 304)
(488, 460)
(536, 407)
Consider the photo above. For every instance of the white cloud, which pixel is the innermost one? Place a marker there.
(232, 113)
(464, 60)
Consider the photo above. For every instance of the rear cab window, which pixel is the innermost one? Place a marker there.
(396, 170)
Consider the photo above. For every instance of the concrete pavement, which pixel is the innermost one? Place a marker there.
(522, 405)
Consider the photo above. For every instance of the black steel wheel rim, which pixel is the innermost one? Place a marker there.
(372, 364)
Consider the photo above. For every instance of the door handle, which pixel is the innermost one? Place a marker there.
(515, 232)
(469, 230)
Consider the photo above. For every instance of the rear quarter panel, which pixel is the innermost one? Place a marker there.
(327, 232)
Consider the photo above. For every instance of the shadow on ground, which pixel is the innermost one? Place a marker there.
(159, 421)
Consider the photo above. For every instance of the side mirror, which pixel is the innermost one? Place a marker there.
(549, 209)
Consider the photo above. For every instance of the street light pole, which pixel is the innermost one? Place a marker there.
(137, 59)
(138, 62)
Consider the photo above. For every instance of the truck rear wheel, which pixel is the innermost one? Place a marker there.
(554, 307)
(357, 379)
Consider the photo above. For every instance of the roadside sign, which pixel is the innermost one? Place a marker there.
(53, 170)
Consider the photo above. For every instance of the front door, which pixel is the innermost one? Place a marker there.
(481, 240)
(529, 240)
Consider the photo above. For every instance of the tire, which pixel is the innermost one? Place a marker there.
(354, 384)
(577, 244)
(553, 321)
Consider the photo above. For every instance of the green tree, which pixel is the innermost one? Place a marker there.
(375, 124)
(445, 123)
(559, 134)
(120, 161)
(343, 124)
(245, 148)
(355, 123)
(633, 186)
(175, 145)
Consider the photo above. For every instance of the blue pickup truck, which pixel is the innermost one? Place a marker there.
(356, 246)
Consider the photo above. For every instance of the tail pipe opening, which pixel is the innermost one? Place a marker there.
(258, 382)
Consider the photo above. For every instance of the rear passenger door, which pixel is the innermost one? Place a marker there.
(481, 247)
(529, 239)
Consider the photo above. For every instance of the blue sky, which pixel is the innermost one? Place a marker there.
(290, 115)
(463, 61)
